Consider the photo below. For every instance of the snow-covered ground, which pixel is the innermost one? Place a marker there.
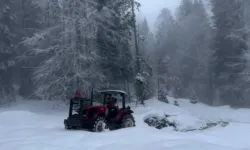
(33, 126)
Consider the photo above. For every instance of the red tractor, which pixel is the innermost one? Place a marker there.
(83, 115)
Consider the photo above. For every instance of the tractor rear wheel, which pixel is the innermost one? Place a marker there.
(128, 121)
(99, 125)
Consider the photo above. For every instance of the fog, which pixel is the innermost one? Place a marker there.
(150, 9)
(50, 48)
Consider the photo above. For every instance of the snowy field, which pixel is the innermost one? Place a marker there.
(33, 126)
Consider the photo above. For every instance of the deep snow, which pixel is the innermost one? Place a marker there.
(33, 126)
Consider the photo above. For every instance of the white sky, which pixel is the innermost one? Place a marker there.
(151, 9)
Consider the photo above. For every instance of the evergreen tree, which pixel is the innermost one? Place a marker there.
(7, 33)
(246, 74)
(51, 13)
(112, 40)
(246, 8)
(184, 9)
(165, 52)
(7, 48)
(143, 34)
(193, 97)
(193, 48)
(70, 54)
(29, 22)
(229, 48)
(146, 68)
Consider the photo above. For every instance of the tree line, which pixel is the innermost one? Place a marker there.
(204, 52)
(48, 48)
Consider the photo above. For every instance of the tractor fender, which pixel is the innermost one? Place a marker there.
(122, 113)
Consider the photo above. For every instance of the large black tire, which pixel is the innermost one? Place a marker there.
(128, 121)
(99, 125)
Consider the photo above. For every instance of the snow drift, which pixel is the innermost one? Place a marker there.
(34, 129)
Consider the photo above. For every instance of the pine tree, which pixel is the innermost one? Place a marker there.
(193, 48)
(193, 97)
(185, 35)
(144, 34)
(70, 54)
(165, 52)
(7, 35)
(229, 48)
(246, 74)
(246, 7)
(184, 9)
(7, 49)
(113, 37)
(52, 11)
(30, 14)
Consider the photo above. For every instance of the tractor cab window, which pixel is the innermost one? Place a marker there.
(118, 97)
(114, 98)
(76, 107)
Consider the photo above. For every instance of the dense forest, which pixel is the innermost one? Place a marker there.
(48, 48)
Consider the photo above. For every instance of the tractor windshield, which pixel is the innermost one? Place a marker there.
(114, 98)
(76, 105)
(118, 98)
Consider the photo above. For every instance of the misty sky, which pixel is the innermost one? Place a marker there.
(151, 8)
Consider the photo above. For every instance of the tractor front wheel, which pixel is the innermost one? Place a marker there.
(99, 125)
(128, 121)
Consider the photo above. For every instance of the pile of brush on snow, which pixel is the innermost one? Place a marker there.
(182, 123)
(180, 117)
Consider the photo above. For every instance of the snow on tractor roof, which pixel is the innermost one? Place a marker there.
(113, 91)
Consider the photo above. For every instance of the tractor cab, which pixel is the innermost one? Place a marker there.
(116, 109)
(114, 97)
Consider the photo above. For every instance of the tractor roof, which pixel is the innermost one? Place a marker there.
(113, 92)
